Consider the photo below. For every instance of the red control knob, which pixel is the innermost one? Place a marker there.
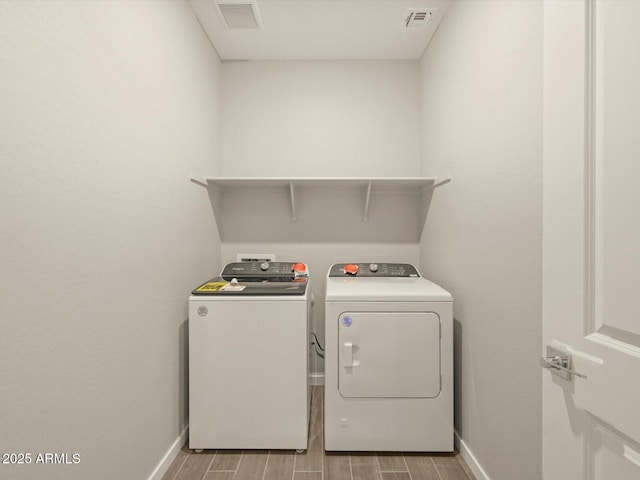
(299, 267)
(351, 268)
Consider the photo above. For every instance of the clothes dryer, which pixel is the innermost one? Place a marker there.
(388, 360)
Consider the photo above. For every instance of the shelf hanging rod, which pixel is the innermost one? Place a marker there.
(292, 192)
(365, 215)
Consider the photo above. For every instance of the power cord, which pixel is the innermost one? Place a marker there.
(316, 344)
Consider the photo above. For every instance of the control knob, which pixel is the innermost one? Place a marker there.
(264, 266)
(300, 270)
(373, 267)
(351, 269)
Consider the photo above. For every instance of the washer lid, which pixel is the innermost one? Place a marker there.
(219, 286)
(385, 290)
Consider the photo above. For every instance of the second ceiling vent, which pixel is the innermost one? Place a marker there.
(239, 14)
(417, 18)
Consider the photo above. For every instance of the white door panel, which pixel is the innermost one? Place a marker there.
(617, 167)
(608, 451)
(591, 241)
(389, 354)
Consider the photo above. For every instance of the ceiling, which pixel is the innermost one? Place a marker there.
(321, 29)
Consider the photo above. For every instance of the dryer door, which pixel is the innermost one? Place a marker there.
(389, 354)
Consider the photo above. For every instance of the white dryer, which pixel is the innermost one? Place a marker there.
(388, 360)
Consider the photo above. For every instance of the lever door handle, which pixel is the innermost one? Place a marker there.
(559, 362)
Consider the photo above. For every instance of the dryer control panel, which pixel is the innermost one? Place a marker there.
(373, 270)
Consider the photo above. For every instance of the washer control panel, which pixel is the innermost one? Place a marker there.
(275, 271)
(373, 270)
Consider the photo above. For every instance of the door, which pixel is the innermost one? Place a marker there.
(389, 354)
(591, 239)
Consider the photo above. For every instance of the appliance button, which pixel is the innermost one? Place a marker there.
(351, 269)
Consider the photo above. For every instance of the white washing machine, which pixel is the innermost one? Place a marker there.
(388, 360)
(249, 358)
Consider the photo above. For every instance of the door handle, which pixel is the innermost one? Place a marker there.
(347, 353)
(348, 349)
(559, 363)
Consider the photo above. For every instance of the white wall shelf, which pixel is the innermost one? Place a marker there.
(232, 193)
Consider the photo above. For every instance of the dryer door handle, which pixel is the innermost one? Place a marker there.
(347, 354)
(348, 349)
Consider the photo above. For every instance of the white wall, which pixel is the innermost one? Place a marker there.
(106, 108)
(481, 81)
(320, 118)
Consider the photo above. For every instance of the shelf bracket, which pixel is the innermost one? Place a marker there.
(365, 215)
(441, 181)
(198, 180)
(426, 196)
(292, 192)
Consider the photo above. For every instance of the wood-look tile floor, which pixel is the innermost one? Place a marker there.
(315, 463)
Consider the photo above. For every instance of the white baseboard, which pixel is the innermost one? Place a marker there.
(469, 458)
(170, 456)
(316, 378)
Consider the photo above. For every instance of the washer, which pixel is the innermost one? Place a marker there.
(388, 360)
(249, 358)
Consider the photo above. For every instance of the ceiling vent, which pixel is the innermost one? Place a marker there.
(241, 14)
(417, 18)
